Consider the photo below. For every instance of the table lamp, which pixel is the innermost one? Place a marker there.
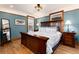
(68, 23)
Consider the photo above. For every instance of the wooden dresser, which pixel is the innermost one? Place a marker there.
(68, 39)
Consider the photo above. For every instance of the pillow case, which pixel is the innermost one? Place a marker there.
(51, 29)
(48, 29)
(42, 29)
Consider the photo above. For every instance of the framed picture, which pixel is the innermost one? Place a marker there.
(19, 22)
(55, 16)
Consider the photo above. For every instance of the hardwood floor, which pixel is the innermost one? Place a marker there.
(15, 47)
(62, 49)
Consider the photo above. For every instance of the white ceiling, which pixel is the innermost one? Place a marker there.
(47, 8)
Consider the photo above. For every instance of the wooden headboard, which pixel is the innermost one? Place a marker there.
(55, 19)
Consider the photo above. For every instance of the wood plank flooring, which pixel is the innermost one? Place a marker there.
(62, 49)
(15, 47)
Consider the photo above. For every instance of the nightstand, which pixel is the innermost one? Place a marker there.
(68, 39)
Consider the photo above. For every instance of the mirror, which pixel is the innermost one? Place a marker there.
(5, 30)
(31, 23)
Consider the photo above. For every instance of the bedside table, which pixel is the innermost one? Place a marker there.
(68, 39)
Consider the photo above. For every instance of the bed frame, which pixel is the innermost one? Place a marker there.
(37, 44)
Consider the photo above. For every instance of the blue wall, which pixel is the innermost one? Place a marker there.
(15, 29)
(41, 19)
(72, 16)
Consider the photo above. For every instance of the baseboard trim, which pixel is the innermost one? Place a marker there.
(77, 43)
(15, 38)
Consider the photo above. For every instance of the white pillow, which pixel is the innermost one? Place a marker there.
(51, 29)
(54, 28)
(48, 29)
(42, 29)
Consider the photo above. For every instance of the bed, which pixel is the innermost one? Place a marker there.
(47, 39)
(41, 42)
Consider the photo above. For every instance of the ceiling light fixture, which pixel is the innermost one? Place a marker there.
(38, 7)
(11, 6)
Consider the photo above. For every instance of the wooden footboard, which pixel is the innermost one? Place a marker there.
(35, 44)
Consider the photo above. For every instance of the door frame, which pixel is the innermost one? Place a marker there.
(27, 21)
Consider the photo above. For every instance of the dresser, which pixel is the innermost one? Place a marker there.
(68, 39)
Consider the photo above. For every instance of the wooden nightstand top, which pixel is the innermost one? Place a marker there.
(69, 32)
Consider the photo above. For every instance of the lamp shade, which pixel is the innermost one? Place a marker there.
(68, 22)
(68, 25)
(38, 24)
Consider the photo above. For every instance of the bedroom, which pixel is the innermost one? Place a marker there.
(18, 15)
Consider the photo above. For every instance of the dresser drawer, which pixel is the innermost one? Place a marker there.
(69, 43)
(68, 39)
(68, 36)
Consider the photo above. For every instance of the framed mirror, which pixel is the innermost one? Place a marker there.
(58, 19)
(5, 30)
(56, 15)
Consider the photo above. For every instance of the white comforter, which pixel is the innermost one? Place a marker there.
(54, 38)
